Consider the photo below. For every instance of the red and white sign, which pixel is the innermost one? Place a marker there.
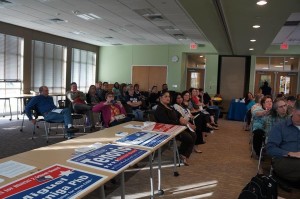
(193, 46)
(164, 128)
(284, 46)
(56, 181)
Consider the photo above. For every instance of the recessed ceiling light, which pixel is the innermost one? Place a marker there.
(278, 66)
(256, 26)
(251, 48)
(201, 56)
(261, 3)
(291, 57)
(253, 40)
(286, 61)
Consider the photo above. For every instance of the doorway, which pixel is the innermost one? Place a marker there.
(195, 78)
(285, 82)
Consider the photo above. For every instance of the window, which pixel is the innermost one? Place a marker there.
(83, 69)
(277, 63)
(11, 64)
(48, 67)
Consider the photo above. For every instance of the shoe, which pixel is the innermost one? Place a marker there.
(214, 124)
(184, 160)
(196, 149)
(215, 128)
(72, 129)
(92, 129)
(70, 136)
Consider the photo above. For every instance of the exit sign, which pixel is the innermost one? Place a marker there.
(193, 46)
(284, 46)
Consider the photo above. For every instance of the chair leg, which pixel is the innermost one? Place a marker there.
(46, 131)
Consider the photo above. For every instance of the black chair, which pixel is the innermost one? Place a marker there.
(76, 116)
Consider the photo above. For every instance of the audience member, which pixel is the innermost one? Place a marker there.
(91, 97)
(284, 146)
(291, 100)
(258, 114)
(277, 114)
(194, 122)
(153, 96)
(78, 100)
(99, 90)
(164, 113)
(44, 105)
(124, 93)
(135, 104)
(116, 91)
(113, 112)
(206, 100)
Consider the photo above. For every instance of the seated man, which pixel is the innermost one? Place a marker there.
(44, 104)
(135, 104)
(79, 105)
(113, 112)
(284, 146)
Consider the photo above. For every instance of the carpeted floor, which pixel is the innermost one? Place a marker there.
(220, 172)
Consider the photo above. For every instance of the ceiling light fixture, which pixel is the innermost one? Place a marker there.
(266, 68)
(253, 40)
(88, 16)
(251, 48)
(261, 3)
(278, 66)
(291, 57)
(201, 56)
(256, 26)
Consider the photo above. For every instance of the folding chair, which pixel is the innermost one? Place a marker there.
(76, 116)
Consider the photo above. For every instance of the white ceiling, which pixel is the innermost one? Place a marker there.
(226, 24)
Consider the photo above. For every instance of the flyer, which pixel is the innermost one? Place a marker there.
(111, 158)
(145, 139)
(56, 181)
(162, 128)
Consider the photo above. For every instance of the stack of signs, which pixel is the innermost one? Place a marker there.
(145, 139)
(163, 128)
(112, 158)
(56, 181)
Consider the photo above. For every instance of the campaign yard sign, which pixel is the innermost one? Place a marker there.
(162, 128)
(56, 181)
(145, 139)
(112, 158)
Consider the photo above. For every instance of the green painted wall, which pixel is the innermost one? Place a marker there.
(115, 63)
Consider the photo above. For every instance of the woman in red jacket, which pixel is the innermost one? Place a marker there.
(113, 112)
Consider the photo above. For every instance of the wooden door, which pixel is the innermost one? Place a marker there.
(148, 76)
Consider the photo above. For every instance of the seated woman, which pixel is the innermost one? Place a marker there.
(259, 112)
(195, 122)
(196, 107)
(164, 113)
(113, 112)
(92, 97)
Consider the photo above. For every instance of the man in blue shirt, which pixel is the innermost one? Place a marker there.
(44, 104)
(284, 145)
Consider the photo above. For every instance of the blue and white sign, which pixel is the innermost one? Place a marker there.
(112, 158)
(145, 139)
(57, 182)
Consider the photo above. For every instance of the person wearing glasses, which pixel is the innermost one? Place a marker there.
(113, 112)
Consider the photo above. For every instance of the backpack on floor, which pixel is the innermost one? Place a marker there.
(260, 187)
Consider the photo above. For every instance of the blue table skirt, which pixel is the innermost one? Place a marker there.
(237, 111)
